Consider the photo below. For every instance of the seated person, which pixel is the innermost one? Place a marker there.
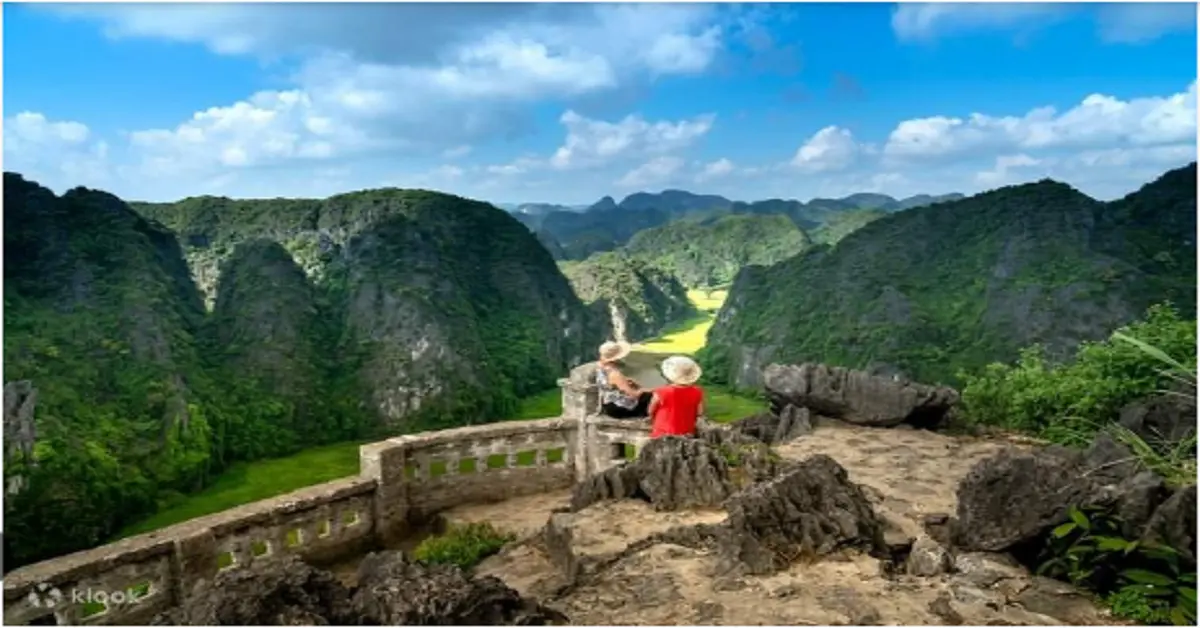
(620, 397)
(676, 407)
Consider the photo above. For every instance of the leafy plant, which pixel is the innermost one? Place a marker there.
(1069, 403)
(463, 545)
(1143, 581)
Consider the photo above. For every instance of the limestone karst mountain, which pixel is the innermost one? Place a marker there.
(639, 299)
(932, 290)
(362, 314)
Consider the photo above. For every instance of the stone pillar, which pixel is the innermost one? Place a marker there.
(385, 463)
(581, 398)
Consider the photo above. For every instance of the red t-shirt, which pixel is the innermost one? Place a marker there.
(677, 410)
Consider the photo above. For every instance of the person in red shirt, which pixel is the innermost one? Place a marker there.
(675, 408)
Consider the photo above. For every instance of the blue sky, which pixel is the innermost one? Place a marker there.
(567, 103)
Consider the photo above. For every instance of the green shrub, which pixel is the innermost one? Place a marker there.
(1068, 403)
(1144, 582)
(463, 545)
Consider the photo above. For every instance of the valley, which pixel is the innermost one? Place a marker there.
(379, 312)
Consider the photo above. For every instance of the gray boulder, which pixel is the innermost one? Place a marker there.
(810, 510)
(1016, 497)
(857, 396)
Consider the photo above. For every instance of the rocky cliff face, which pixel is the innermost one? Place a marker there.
(932, 290)
(436, 323)
(639, 300)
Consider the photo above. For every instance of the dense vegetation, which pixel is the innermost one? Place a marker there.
(333, 320)
(706, 254)
(640, 299)
(843, 224)
(955, 286)
(1068, 402)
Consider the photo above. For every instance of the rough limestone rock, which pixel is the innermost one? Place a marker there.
(927, 558)
(810, 510)
(287, 592)
(856, 396)
(1169, 418)
(1174, 523)
(773, 429)
(394, 591)
(391, 591)
(1015, 497)
(674, 473)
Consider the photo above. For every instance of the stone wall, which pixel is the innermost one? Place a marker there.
(401, 481)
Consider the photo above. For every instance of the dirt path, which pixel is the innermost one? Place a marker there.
(907, 474)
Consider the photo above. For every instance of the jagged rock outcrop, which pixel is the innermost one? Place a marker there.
(856, 396)
(773, 429)
(1014, 498)
(674, 473)
(288, 592)
(20, 433)
(810, 510)
(391, 591)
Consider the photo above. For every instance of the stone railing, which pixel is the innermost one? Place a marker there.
(402, 481)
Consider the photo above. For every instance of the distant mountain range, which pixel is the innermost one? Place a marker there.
(573, 232)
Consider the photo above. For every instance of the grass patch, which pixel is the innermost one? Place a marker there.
(247, 482)
(463, 545)
(723, 406)
(544, 405)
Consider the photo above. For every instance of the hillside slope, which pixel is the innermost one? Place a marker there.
(101, 317)
(710, 253)
(639, 299)
(960, 284)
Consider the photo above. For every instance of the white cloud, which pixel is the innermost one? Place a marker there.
(591, 143)
(1098, 121)
(1002, 171)
(1137, 23)
(919, 21)
(715, 170)
(655, 172)
(1118, 23)
(60, 151)
(831, 148)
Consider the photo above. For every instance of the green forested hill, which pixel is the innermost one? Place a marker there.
(710, 253)
(960, 284)
(101, 316)
(375, 312)
(641, 300)
(845, 223)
